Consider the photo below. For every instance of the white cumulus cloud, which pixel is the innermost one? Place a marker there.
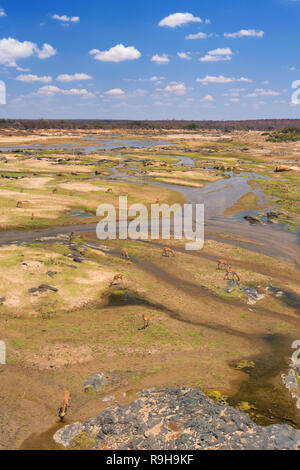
(160, 59)
(46, 52)
(29, 78)
(221, 79)
(11, 50)
(178, 88)
(118, 53)
(51, 90)
(217, 55)
(2, 12)
(179, 19)
(263, 92)
(245, 33)
(64, 77)
(184, 55)
(66, 19)
(199, 35)
(208, 99)
(115, 92)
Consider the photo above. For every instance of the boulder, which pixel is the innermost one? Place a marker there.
(252, 220)
(178, 419)
(286, 168)
(95, 381)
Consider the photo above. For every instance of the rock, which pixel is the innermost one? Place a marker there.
(252, 220)
(51, 273)
(42, 288)
(274, 214)
(95, 381)
(290, 382)
(286, 168)
(109, 398)
(114, 379)
(178, 419)
(67, 434)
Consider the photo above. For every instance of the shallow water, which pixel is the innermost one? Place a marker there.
(262, 388)
(105, 143)
(43, 441)
(271, 239)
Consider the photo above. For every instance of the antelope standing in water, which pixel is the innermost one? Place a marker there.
(167, 252)
(116, 278)
(234, 275)
(64, 408)
(124, 254)
(222, 263)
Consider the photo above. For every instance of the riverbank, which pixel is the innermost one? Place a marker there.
(62, 322)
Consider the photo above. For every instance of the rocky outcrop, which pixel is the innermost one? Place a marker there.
(175, 419)
(281, 168)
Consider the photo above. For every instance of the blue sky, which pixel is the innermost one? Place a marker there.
(170, 59)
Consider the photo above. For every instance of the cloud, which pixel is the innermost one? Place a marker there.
(212, 58)
(221, 79)
(33, 78)
(151, 79)
(217, 55)
(245, 33)
(115, 92)
(11, 49)
(118, 53)
(137, 93)
(2, 12)
(179, 19)
(66, 19)
(160, 59)
(208, 99)
(72, 78)
(263, 92)
(178, 88)
(199, 35)
(51, 90)
(46, 52)
(156, 79)
(184, 55)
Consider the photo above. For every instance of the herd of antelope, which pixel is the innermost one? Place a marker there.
(230, 274)
(223, 265)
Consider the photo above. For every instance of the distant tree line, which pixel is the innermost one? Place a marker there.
(287, 134)
(268, 125)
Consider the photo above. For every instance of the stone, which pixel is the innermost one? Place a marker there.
(109, 398)
(286, 168)
(95, 381)
(200, 424)
(42, 288)
(252, 220)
